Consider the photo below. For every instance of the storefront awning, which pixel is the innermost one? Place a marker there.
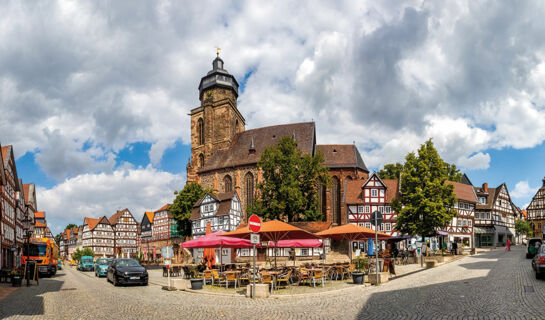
(442, 233)
(483, 230)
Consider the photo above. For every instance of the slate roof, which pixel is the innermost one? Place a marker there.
(224, 205)
(238, 153)
(342, 156)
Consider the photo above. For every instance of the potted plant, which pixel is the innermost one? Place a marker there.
(361, 264)
(16, 277)
(196, 282)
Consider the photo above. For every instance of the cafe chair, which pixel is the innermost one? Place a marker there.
(207, 276)
(317, 275)
(227, 278)
(268, 279)
(303, 275)
(284, 279)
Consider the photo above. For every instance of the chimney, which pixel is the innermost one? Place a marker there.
(485, 187)
(252, 147)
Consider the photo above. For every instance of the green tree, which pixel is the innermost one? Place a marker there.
(82, 253)
(523, 227)
(426, 202)
(70, 226)
(391, 171)
(394, 170)
(183, 204)
(291, 182)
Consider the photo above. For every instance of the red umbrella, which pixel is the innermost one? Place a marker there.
(209, 255)
(216, 240)
(274, 231)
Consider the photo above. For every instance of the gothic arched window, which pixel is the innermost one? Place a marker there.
(200, 130)
(201, 160)
(249, 188)
(227, 184)
(335, 200)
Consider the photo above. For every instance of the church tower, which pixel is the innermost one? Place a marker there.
(216, 121)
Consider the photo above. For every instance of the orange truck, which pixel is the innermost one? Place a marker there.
(44, 252)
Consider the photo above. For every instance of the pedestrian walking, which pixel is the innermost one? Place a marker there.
(508, 247)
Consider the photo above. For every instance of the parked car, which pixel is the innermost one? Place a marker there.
(538, 262)
(531, 247)
(126, 271)
(101, 266)
(86, 264)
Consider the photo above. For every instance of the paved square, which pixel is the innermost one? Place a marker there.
(491, 285)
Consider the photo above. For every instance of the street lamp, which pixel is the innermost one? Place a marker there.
(28, 233)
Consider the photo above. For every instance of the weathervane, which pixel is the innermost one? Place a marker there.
(218, 49)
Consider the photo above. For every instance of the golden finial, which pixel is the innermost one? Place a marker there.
(218, 49)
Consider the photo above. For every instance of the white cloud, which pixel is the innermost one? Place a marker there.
(523, 190)
(386, 75)
(96, 195)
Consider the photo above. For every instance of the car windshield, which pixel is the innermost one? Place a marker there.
(127, 263)
(102, 261)
(87, 260)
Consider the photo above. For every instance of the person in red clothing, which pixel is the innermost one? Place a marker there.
(508, 246)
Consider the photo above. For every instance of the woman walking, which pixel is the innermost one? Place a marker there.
(508, 247)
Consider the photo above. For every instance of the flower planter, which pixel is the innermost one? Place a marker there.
(16, 281)
(358, 277)
(196, 284)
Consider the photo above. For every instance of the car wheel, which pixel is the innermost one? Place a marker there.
(115, 282)
(527, 256)
(538, 276)
(145, 284)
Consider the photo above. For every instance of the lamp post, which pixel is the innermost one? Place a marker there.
(28, 233)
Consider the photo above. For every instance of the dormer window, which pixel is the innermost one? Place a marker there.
(482, 200)
(208, 210)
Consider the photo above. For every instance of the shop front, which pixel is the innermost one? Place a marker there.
(484, 236)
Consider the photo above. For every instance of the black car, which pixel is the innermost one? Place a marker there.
(126, 271)
(538, 262)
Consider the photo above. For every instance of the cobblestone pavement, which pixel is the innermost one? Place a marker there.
(490, 285)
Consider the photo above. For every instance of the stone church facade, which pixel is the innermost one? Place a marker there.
(224, 154)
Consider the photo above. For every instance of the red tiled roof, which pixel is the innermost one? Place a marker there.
(525, 214)
(92, 222)
(312, 226)
(39, 214)
(26, 190)
(354, 191)
(341, 156)
(150, 215)
(238, 153)
(163, 208)
(5, 152)
(464, 191)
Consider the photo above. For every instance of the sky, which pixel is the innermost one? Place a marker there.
(95, 96)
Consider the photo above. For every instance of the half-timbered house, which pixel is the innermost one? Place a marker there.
(146, 233)
(536, 212)
(8, 205)
(98, 235)
(40, 224)
(223, 211)
(460, 229)
(494, 216)
(72, 244)
(374, 194)
(126, 233)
